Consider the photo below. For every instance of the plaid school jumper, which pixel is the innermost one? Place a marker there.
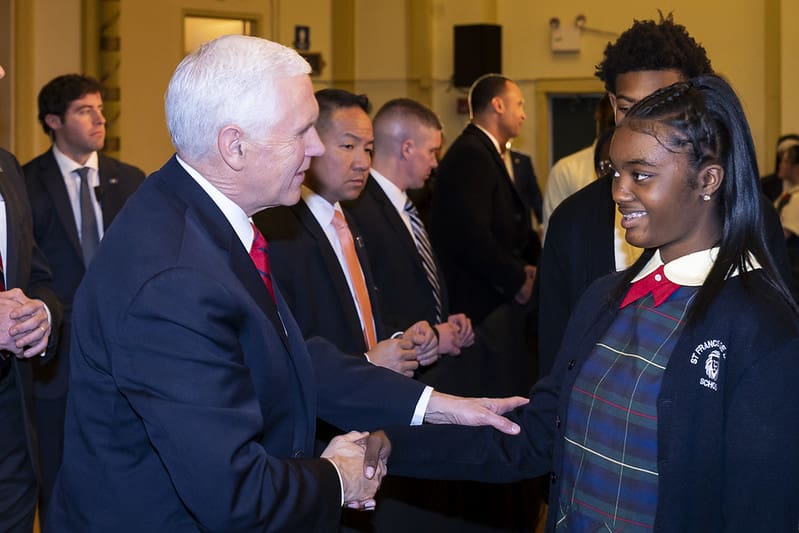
(610, 477)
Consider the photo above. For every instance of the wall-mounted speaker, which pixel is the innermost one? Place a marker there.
(478, 51)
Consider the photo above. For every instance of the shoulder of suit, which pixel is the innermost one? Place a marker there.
(120, 166)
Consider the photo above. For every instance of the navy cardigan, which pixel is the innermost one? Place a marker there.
(728, 448)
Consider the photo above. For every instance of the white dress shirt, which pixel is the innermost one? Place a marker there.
(72, 183)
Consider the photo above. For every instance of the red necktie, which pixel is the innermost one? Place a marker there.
(260, 256)
(657, 283)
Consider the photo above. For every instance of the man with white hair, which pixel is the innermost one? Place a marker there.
(194, 396)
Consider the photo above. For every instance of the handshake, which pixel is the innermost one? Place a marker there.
(360, 459)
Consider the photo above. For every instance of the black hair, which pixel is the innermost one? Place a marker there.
(704, 120)
(484, 89)
(650, 45)
(331, 100)
(55, 97)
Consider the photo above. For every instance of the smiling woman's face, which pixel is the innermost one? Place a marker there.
(659, 197)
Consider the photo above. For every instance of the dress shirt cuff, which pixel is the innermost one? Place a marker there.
(340, 479)
(421, 406)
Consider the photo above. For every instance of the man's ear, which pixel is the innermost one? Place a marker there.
(498, 104)
(53, 121)
(710, 179)
(612, 101)
(406, 148)
(231, 147)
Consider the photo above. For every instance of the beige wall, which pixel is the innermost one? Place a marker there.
(734, 33)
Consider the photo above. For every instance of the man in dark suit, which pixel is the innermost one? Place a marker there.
(324, 290)
(194, 395)
(480, 228)
(71, 113)
(29, 311)
(407, 273)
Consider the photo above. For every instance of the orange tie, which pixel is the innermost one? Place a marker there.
(356, 275)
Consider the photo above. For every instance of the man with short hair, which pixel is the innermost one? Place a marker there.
(29, 313)
(75, 193)
(328, 295)
(194, 396)
(479, 225)
(409, 279)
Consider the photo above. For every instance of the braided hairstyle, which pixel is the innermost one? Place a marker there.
(704, 120)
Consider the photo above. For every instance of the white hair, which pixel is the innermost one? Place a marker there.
(229, 80)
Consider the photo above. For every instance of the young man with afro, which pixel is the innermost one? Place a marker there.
(584, 237)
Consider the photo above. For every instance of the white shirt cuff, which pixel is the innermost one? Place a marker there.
(421, 407)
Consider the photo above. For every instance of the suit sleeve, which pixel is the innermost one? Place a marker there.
(183, 373)
(357, 395)
(480, 453)
(462, 198)
(39, 278)
(552, 284)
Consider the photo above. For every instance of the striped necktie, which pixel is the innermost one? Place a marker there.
(426, 253)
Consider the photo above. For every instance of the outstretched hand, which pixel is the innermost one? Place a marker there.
(448, 409)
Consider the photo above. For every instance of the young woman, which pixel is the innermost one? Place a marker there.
(674, 401)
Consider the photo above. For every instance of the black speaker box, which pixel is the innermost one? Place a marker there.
(478, 51)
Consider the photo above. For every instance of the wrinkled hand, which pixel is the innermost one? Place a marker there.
(524, 294)
(7, 342)
(464, 334)
(29, 328)
(425, 342)
(448, 409)
(398, 355)
(348, 452)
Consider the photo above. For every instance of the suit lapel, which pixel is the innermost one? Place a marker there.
(497, 158)
(53, 182)
(13, 232)
(222, 235)
(393, 218)
(111, 199)
(332, 265)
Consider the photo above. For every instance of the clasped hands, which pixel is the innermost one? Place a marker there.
(24, 325)
(404, 354)
(361, 461)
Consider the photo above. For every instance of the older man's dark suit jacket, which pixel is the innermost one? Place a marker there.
(57, 235)
(480, 226)
(579, 248)
(405, 295)
(25, 268)
(194, 396)
(311, 279)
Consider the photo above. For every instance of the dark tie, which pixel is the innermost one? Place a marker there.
(89, 238)
(426, 253)
(260, 256)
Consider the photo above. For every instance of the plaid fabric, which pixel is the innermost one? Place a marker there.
(610, 479)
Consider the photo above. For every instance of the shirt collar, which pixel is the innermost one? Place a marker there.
(234, 214)
(67, 165)
(321, 209)
(397, 197)
(689, 270)
(493, 139)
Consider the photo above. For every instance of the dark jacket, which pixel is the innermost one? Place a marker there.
(727, 457)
